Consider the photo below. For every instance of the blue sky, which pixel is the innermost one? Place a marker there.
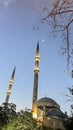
(18, 43)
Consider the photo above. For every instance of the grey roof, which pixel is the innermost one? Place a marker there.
(47, 99)
(56, 113)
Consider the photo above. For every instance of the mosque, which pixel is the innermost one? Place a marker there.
(45, 110)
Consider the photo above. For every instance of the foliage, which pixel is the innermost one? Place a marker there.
(23, 121)
(71, 99)
(42, 127)
(7, 113)
(69, 122)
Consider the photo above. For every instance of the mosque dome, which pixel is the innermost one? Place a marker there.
(52, 109)
(48, 102)
(56, 113)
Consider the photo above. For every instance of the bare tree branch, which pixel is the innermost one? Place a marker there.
(59, 17)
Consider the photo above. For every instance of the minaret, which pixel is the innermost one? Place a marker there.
(10, 86)
(35, 87)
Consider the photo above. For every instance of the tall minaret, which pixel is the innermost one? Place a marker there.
(35, 87)
(10, 86)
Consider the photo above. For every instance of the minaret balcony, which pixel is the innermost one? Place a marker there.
(37, 58)
(11, 82)
(36, 69)
(8, 93)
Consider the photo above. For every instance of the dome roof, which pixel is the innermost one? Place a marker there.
(56, 113)
(47, 102)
